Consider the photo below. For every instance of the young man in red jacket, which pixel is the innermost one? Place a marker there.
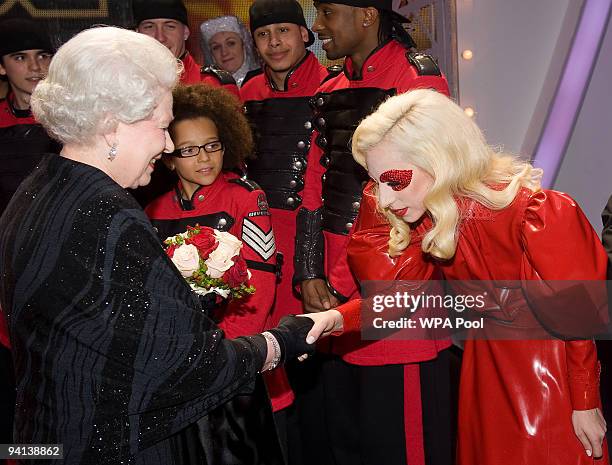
(277, 104)
(25, 55)
(377, 394)
(166, 21)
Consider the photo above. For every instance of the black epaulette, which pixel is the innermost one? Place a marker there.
(223, 76)
(246, 183)
(251, 74)
(332, 71)
(425, 64)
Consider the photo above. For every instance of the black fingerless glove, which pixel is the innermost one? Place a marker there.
(291, 335)
(308, 262)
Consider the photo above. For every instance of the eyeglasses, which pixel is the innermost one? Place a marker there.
(193, 150)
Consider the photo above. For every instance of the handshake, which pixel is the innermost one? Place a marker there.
(295, 336)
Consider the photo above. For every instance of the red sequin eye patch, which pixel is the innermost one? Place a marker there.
(397, 179)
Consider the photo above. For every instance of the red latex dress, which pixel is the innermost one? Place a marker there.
(516, 397)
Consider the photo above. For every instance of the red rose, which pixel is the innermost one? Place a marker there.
(205, 242)
(204, 229)
(170, 250)
(238, 273)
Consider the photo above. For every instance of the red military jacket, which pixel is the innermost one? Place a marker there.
(386, 68)
(302, 81)
(240, 208)
(193, 73)
(242, 211)
(300, 84)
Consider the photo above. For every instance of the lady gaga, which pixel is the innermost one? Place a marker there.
(442, 200)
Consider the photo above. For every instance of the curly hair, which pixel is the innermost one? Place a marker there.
(100, 77)
(223, 109)
(435, 134)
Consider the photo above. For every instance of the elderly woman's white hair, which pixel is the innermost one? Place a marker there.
(100, 77)
(229, 24)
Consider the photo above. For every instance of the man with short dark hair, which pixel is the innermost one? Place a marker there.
(277, 104)
(281, 36)
(167, 22)
(372, 391)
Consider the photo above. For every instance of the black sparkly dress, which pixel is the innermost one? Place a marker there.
(113, 357)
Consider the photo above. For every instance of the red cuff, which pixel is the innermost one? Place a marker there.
(584, 389)
(351, 313)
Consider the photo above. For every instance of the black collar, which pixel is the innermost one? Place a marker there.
(17, 113)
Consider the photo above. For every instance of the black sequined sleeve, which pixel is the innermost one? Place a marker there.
(110, 346)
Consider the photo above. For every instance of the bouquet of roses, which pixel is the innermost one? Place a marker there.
(210, 261)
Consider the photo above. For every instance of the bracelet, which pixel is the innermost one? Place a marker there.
(277, 350)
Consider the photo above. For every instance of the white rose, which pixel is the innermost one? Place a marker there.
(220, 259)
(229, 243)
(186, 259)
(218, 263)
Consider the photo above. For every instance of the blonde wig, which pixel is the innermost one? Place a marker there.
(99, 77)
(434, 134)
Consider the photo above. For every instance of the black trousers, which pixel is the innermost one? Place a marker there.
(308, 439)
(353, 414)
